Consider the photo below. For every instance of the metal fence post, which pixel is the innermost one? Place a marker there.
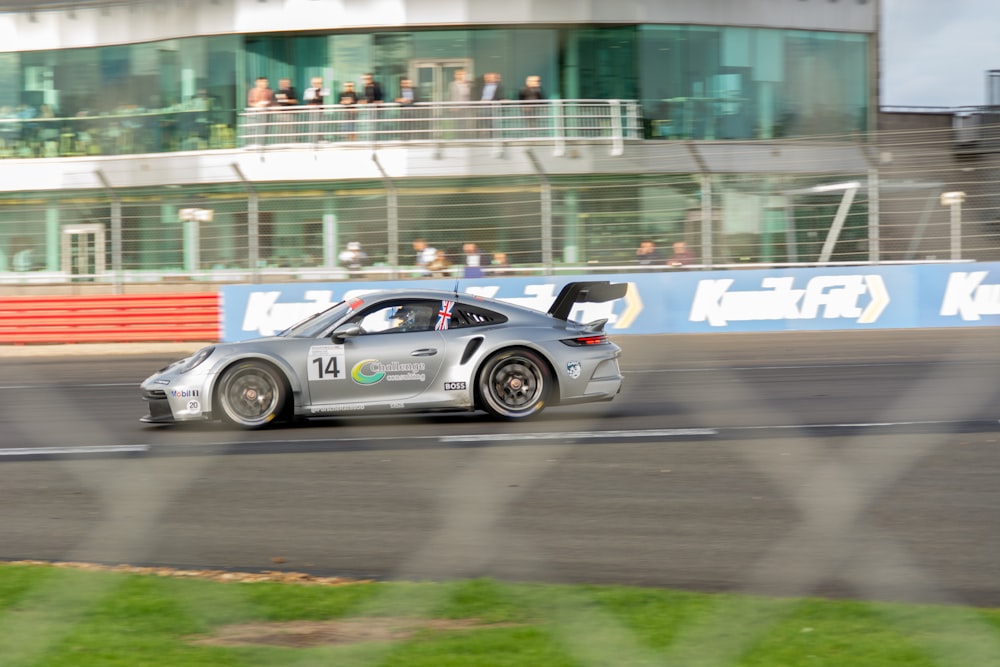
(392, 212)
(617, 141)
(955, 200)
(705, 179)
(874, 227)
(546, 192)
(253, 225)
(116, 234)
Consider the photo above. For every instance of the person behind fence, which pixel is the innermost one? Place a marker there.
(353, 257)
(423, 255)
(647, 254)
(22, 255)
(681, 256)
(474, 260)
(499, 266)
(440, 266)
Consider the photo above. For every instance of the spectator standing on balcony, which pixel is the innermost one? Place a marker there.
(315, 93)
(532, 91)
(260, 96)
(408, 111)
(460, 91)
(407, 93)
(372, 93)
(348, 98)
(490, 92)
(533, 95)
(313, 97)
(286, 95)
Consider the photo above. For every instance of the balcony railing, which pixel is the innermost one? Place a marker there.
(136, 131)
(554, 121)
(123, 132)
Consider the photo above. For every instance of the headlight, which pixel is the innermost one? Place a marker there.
(194, 360)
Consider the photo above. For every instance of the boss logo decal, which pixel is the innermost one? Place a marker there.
(454, 386)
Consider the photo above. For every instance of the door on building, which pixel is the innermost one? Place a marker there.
(83, 249)
(431, 77)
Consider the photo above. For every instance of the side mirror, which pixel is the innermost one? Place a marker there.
(346, 331)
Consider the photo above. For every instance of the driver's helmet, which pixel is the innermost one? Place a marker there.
(412, 317)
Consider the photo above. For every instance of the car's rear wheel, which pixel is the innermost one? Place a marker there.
(252, 394)
(514, 384)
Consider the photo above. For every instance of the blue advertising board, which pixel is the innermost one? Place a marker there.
(813, 299)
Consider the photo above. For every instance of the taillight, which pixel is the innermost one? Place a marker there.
(585, 341)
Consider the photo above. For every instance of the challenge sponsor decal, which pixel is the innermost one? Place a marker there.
(857, 297)
(967, 297)
(455, 386)
(574, 369)
(373, 371)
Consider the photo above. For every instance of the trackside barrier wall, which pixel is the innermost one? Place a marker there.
(119, 318)
(820, 299)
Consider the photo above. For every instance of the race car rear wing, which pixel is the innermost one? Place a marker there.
(585, 292)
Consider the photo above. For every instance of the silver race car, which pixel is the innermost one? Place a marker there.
(400, 350)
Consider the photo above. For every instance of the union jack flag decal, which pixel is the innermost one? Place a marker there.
(444, 315)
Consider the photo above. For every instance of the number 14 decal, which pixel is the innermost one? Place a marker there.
(326, 362)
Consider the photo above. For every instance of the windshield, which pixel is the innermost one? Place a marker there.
(320, 322)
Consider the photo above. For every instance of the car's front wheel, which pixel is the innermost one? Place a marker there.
(514, 384)
(251, 394)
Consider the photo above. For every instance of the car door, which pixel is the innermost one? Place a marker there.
(389, 365)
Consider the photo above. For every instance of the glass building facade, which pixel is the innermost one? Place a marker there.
(170, 106)
(693, 82)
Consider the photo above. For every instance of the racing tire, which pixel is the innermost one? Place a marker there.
(252, 394)
(514, 384)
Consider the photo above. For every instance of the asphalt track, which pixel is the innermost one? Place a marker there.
(839, 464)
